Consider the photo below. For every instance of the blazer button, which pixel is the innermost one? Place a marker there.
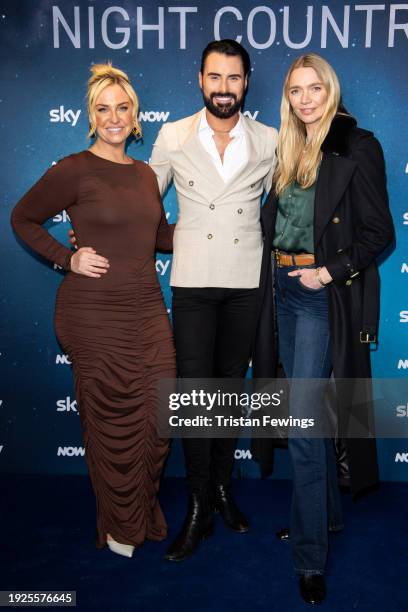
(240, 211)
(335, 220)
(236, 240)
(349, 282)
(191, 183)
(209, 236)
(212, 206)
(253, 185)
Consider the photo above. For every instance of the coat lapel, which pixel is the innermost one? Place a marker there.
(254, 149)
(195, 154)
(334, 175)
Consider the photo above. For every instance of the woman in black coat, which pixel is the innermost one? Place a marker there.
(326, 220)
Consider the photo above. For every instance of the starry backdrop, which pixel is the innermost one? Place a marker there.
(46, 53)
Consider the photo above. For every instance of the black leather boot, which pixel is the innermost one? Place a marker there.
(225, 504)
(312, 588)
(197, 526)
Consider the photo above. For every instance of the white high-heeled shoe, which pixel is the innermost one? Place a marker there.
(126, 550)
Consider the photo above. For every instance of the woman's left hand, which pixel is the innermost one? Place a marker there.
(307, 277)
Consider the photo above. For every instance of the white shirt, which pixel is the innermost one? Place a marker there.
(236, 152)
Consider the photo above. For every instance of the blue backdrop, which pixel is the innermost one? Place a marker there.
(47, 48)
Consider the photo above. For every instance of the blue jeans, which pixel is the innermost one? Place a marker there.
(304, 347)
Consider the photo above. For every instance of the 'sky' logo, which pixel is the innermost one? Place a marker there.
(60, 115)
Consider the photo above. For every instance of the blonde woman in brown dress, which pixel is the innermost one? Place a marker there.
(110, 316)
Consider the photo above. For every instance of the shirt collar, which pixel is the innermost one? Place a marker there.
(237, 130)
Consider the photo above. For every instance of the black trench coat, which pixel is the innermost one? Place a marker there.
(352, 226)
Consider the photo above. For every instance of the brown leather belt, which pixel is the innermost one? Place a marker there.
(288, 259)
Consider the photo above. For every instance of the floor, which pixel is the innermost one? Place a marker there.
(48, 543)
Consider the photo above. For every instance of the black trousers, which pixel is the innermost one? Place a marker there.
(213, 330)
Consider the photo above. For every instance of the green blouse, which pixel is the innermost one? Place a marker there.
(294, 221)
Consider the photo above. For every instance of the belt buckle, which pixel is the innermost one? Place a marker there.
(277, 257)
(366, 338)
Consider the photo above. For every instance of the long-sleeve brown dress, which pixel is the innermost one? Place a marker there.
(114, 328)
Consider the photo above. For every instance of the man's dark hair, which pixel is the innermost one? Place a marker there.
(227, 47)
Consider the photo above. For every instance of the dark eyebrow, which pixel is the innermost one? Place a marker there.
(218, 74)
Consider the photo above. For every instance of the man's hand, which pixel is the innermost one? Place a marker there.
(85, 261)
(72, 238)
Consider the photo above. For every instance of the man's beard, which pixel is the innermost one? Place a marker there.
(224, 111)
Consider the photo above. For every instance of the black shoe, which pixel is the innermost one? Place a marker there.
(284, 534)
(312, 588)
(198, 525)
(225, 504)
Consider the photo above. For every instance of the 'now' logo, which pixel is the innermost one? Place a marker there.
(70, 451)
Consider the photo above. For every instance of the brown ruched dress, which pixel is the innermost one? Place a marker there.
(114, 328)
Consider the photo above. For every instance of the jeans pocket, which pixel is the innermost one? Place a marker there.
(308, 289)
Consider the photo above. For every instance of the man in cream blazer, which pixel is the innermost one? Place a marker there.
(218, 237)
(221, 163)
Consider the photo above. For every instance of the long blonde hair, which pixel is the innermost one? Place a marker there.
(297, 160)
(104, 75)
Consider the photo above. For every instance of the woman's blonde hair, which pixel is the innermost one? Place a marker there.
(104, 75)
(298, 160)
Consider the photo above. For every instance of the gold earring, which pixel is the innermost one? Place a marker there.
(136, 131)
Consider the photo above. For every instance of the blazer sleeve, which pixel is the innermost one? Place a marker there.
(374, 228)
(271, 147)
(160, 162)
(54, 192)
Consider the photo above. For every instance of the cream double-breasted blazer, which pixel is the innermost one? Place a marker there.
(218, 239)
